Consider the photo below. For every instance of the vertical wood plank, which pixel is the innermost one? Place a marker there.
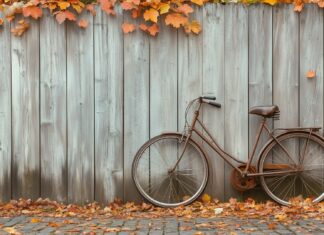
(5, 113)
(311, 58)
(108, 46)
(285, 65)
(53, 109)
(213, 83)
(190, 59)
(236, 87)
(80, 112)
(136, 103)
(260, 75)
(25, 114)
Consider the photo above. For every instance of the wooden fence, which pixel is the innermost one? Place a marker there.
(75, 105)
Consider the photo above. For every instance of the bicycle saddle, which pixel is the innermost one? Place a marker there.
(265, 111)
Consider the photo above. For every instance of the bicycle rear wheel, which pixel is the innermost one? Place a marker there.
(306, 157)
(152, 175)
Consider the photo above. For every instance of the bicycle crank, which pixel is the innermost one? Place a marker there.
(243, 184)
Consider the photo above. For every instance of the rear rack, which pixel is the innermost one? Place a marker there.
(312, 129)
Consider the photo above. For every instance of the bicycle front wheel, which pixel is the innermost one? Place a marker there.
(153, 175)
(305, 164)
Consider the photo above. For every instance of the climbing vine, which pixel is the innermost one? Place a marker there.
(174, 13)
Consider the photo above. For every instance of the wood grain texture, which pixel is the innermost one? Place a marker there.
(25, 114)
(136, 104)
(53, 110)
(5, 113)
(236, 87)
(80, 112)
(108, 48)
(285, 65)
(213, 83)
(260, 68)
(311, 58)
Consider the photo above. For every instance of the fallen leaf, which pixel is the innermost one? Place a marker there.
(206, 198)
(53, 224)
(270, 2)
(83, 23)
(218, 211)
(176, 20)
(11, 230)
(35, 220)
(128, 28)
(310, 74)
(32, 11)
(272, 225)
(151, 15)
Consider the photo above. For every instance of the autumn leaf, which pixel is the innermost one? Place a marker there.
(20, 28)
(310, 74)
(135, 13)
(107, 6)
(65, 15)
(63, 5)
(91, 9)
(151, 15)
(176, 20)
(35, 220)
(206, 198)
(298, 5)
(83, 23)
(32, 11)
(164, 8)
(77, 8)
(272, 226)
(11, 230)
(127, 5)
(320, 4)
(136, 2)
(185, 9)
(1, 21)
(270, 2)
(198, 2)
(128, 28)
(53, 224)
(153, 30)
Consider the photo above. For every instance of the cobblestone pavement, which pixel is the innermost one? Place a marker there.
(173, 225)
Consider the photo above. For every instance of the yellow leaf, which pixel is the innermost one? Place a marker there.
(77, 7)
(198, 2)
(206, 198)
(63, 5)
(151, 15)
(270, 2)
(35, 220)
(164, 8)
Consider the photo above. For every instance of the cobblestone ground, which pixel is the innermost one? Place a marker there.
(173, 225)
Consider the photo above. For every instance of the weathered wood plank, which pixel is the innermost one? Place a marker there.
(53, 109)
(311, 58)
(260, 67)
(213, 83)
(136, 103)
(285, 65)
(25, 114)
(80, 112)
(108, 46)
(5, 113)
(236, 87)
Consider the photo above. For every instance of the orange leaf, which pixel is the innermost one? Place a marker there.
(35, 220)
(136, 2)
(151, 15)
(91, 9)
(164, 8)
(310, 74)
(194, 27)
(206, 198)
(128, 28)
(83, 23)
(63, 5)
(272, 225)
(185, 9)
(107, 7)
(298, 5)
(176, 20)
(143, 27)
(63, 15)
(77, 8)
(127, 5)
(152, 30)
(135, 13)
(32, 11)
(53, 224)
(20, 28)
(320, 4)
(198, 2)
(1, 21)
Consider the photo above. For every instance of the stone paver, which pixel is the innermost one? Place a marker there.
(158, 226)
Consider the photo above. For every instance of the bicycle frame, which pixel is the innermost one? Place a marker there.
(228, 157)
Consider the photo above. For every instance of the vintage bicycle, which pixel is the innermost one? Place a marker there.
(171, 169)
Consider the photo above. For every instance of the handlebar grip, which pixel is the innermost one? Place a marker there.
(218, 105)
(208, 97)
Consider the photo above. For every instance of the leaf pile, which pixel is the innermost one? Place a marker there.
(174, 13)
(300, 209)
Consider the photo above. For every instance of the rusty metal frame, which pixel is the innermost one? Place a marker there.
(227, 156)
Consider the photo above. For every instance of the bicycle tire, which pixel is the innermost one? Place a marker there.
(278, 187)
(147, 176)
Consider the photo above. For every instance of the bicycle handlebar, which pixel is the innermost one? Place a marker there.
(208, 97)
(218, 105)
